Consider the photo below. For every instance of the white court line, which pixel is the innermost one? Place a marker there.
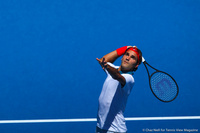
(94, 119)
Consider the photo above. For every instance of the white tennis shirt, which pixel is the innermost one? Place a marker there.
(112, 103)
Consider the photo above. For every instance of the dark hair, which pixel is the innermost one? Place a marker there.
(139, 61)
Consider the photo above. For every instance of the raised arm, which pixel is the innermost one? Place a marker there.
(112, 56)
(113, 71)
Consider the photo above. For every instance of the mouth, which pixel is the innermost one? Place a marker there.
(126, 62)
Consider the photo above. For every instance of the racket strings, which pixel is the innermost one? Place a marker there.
(163, 86)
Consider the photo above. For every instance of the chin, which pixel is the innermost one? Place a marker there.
(126, 68)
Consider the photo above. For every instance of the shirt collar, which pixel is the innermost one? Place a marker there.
(131, 73)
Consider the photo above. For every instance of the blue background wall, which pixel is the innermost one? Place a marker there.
(49, 71)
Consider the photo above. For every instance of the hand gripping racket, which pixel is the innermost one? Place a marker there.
(162, 85)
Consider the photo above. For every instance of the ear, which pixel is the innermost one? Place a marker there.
(135, 67)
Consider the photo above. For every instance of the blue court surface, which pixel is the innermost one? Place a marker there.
(51, 81)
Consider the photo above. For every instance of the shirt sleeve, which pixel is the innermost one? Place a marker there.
(129, 83)
(112, 65)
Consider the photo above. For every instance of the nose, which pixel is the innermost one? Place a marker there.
(128, 58)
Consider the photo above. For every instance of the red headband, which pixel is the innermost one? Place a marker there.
(136, 51)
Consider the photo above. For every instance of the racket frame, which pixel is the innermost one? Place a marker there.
(145, 64)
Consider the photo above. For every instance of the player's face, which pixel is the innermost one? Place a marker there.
(129, 61)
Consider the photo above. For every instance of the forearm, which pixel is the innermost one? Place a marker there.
(112, 71)
(112, 56)
(116, 74)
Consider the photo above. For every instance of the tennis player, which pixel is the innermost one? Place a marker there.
(116, 88)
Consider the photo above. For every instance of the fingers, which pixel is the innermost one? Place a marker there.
(98, 59)
(102, 62)
(104, 65)
(131, 46)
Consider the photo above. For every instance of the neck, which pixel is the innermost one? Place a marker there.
(121, 69)
(122, 72)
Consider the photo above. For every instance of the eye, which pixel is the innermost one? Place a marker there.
(127, 54)
(133, 57)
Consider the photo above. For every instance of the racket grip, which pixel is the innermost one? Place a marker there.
(143, 60)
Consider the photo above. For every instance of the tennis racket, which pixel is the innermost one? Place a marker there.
(162, 85)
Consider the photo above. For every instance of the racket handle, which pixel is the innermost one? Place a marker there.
(143, 60)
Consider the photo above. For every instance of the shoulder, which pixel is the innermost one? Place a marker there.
(112, 65)
(129, 83)
(129, 78)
